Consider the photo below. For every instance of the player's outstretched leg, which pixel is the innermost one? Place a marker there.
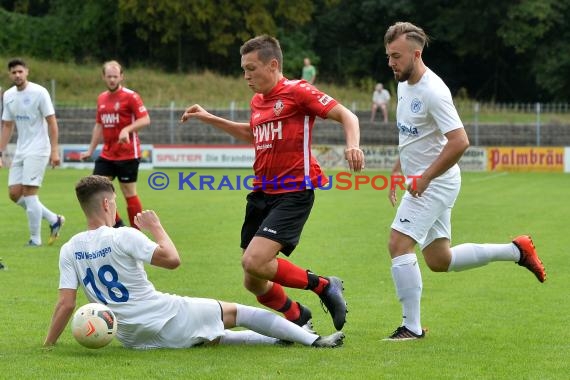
(276, 298)
(529, 258)
(266, 323)
(249, 337)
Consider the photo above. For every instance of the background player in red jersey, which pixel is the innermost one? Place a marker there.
(120, 115)
(282, 117)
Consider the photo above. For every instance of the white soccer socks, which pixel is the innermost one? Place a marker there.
(272, 325)
(408, 281)
(34, 211)
(470, 255)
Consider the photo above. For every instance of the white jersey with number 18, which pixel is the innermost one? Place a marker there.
(109, 263)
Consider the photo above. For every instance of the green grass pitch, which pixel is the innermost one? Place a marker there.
(495, 322)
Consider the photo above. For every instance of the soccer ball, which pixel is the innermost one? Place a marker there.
(94, 325)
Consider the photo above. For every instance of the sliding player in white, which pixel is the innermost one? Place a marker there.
(109, 263)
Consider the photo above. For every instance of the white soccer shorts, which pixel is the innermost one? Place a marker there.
(428, 217)
(199, 320)
(28, 171)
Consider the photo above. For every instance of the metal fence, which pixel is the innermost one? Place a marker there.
(76, 125)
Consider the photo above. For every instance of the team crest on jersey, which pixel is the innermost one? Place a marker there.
(278, 107)
(117, 106)
(416, 105)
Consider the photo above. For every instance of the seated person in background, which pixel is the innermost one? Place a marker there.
(380, 99)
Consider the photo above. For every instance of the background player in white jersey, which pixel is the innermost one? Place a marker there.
(282, 116)
(109, 263)
(28, 106)
(431, 142)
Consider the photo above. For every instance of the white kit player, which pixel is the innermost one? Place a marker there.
(431, 142)
(28, 106)
(109, 264)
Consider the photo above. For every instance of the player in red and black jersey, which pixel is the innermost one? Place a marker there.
(120, 115)
(283, 113)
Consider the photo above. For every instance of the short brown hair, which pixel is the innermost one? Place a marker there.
(89, 187)
(16, 62)
(267, 47)
(412, 32)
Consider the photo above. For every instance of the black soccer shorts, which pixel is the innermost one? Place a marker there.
(278, 217)
(126, 171)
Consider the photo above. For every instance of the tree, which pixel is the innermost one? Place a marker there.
(539, 31)
(213, 27)
(92, 27)
(493, 50)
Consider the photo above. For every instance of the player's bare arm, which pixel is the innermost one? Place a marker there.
(241, 131)
(353, 154)
(457, 143)
(96, 138)
(136, 126)
(166, 254)
(5, 136)
(61, 315)
(53, 139)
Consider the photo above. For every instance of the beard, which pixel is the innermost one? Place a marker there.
(405, 74)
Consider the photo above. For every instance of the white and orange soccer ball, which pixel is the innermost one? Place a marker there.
(94, 325)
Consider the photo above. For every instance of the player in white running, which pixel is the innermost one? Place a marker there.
(431, 142)
(109, 264)
(28, 106)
